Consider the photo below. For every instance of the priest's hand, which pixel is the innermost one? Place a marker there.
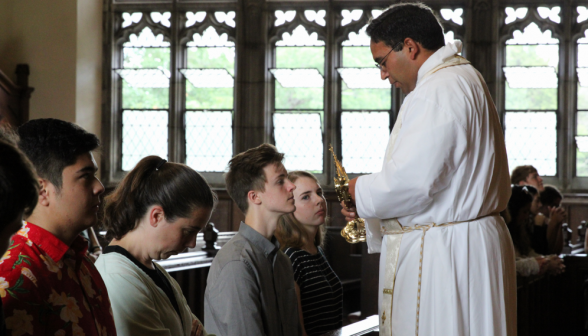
(349, 213)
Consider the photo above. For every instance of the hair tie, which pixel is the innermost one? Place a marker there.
(160, 164)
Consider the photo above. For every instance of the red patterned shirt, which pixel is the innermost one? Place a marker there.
(49, 288)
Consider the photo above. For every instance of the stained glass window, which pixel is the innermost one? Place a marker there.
(144, 75)
(531, 92)
(365, 102)
(582, 105)
(209, 95)
(299, 91)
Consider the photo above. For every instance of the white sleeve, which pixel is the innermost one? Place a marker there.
(427, 152)
(527, 266)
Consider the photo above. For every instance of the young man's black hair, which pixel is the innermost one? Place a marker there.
(53, 144)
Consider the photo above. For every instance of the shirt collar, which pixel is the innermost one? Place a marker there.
(269, 248)
(50, 244)
(440, 56)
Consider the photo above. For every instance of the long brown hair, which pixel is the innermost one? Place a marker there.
(177, 188)
(290, 232)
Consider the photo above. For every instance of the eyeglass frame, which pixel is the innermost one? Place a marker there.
(379, 65)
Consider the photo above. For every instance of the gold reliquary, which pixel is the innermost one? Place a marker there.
(354, 231)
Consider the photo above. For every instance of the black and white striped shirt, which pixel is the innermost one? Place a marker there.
(321, 292)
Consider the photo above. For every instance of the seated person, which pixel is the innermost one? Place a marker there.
(552, 215)
(155, 212)
(319, 290)
(49, 285)
(537, 231)
(526, 175)
(250, 288)
(528, 262)
(19, 191)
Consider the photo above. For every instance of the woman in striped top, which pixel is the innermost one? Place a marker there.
(319, 290)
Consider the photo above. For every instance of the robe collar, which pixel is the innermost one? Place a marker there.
(440, 56)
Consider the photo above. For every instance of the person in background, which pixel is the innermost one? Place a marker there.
(49, 285)
(536, 229)
(319, 290)
(19, 191)
(528, 262)
(250, 287)
(155, 212)
(552, 215)
(526, 175)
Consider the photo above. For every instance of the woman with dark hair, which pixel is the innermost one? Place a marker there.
(319, 290)
(528, 262)
(155, 212)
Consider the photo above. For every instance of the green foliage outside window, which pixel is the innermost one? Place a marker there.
(145, 98)
(531, 55)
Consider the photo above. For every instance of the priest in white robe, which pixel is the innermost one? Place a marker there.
(447, 261)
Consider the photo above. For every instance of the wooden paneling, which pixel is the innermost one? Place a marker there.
(14, 98)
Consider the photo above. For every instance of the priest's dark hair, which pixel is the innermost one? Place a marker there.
(53, 144)
(403, 20)
(246, 172)
(177, 188)
(19, 189)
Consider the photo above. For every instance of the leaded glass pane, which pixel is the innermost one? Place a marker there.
(530, 99)
(212, 58)
(514, 14)
(582, 14)
(364, 138)
(582, 97)
(532, 60)
(209, 140)
(299, 136)
(551, 13)
(531, 140)
(146, 39)
(357, 57)
(358, 39)
(366, 99)
(453, 15)
(209, 78)
(210, 86)
(144, 133)
(301, 57)
(363, 78)
(131, 18)
(300, 37)
(162, 18)
(532, 34)
(317, 16)
(227, 18)
(145, 78)
(531, 77)
(532, 55)
(298, 78)
(582, 144)
(193, 17)
(350, 16)
(283, 17)
(298, 98)
(208, 98)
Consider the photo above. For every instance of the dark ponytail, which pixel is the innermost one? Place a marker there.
(177, 188)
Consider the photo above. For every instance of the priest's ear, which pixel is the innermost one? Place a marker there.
(411, 48)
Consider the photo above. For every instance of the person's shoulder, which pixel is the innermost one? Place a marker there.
(21, 252)
(237, 250)
(115, 264)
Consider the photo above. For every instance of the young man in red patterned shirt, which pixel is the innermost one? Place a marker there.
(48, 284)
